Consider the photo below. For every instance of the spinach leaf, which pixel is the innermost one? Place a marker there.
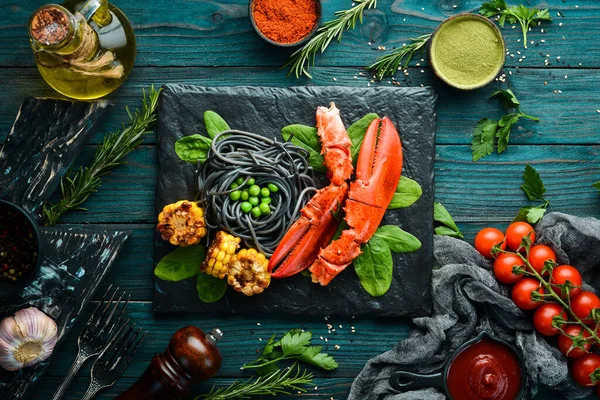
(407, 192)
(193, 148)
(398, 240)
(357, 131)
(442, 216)
(214, 123)
(210, 289)
(374, 267)
(180, 264)
(307, 138)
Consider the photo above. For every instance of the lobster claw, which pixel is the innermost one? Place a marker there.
(314, 229)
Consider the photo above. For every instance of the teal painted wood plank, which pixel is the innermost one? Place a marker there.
(484, 191)
(567, 117)
(217, 33)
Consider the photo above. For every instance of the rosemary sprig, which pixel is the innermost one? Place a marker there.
(78, 184)
(281, 382)
(390, 63)
(303, 58)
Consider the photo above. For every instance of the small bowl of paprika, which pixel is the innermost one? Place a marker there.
(285, 23)
(20, 249)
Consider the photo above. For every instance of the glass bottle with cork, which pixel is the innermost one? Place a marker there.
(84, 50)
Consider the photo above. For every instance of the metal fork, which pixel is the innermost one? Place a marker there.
(97, 332)
(114, 359)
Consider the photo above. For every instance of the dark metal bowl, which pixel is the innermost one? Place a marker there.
(8, 288)
(274, 43)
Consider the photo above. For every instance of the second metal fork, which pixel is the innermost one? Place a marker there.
(97, 332)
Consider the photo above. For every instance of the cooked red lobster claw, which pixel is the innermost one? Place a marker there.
(319, 218)
(377, 174)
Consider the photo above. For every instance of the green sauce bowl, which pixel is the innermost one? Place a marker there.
(467, 51)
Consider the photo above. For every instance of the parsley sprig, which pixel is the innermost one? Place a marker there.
(513, 14)
(534, 189)
(303, 58)
(294, 345)
(390, 63)
(490, 133)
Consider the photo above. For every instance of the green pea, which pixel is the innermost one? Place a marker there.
(266, 200)
(264, 192)
(246, 207)
(273, 188)
(233, 186)
(254, 200)
(256, 213)
(235, 196)
(245, 196)
(264, 208)
(251, 181)
(239, 180)
(254, 190)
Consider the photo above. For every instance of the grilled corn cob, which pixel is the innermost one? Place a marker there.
(248, 272)
(182, 223)
(220, 254)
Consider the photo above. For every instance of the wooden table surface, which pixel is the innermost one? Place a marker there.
(212, 43)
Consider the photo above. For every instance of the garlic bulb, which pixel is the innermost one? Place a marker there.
(27, 338)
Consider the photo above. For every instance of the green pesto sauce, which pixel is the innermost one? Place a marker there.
(467, 52)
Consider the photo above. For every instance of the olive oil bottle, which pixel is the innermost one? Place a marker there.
(83, 49)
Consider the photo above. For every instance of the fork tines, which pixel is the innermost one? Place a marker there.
(100, 320)
(118, 353)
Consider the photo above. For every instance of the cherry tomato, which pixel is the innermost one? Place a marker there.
(583, 367)
(564, 273)
(565, 342)
(486, 239)
(516, 232)
(539, 254)
(521, 293)
(583, 304)
(503, 268)
(542, 318)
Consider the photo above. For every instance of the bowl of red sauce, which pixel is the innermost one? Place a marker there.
(483, 368)
(285, 23)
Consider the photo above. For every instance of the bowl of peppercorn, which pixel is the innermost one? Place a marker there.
(20, 249)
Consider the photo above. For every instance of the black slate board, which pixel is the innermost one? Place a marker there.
(266, 111)
(44, 141)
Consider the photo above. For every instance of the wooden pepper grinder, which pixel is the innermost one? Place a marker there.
(192, 356)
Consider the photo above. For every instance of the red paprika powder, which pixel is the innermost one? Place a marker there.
(285, 21)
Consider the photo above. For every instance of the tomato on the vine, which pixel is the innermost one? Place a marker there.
(516, 232)
(565, 342)
(583, 367)
(583, 304)
(539, 254)
(521, 293)
(563, 274)
(503, 268)
(542, 318)
(486, 239)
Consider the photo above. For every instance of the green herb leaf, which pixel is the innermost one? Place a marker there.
(507, 98)
(442, 216)
(492, 8)
(193, 148)
(214, 123)
(533, 185)
(295, 342)
(483, 138)
(596, 185)
(312, 355)
(521, 14)
(210, 289)
(374, 267)
(445, 231)
(504, 128)
(357, 131)
(535, 214)
(307, 138)
(407, 193)
(182, 263)
(399, 241)
(399, 58)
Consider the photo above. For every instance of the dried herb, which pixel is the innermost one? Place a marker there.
(78, 184)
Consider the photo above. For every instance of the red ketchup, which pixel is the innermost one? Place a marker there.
(486, 370)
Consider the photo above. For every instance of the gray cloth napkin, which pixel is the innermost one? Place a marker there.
(467, 299)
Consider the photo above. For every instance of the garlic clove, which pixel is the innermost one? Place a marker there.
(26, 339)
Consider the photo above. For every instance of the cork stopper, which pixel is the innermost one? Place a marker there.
(49, 25)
